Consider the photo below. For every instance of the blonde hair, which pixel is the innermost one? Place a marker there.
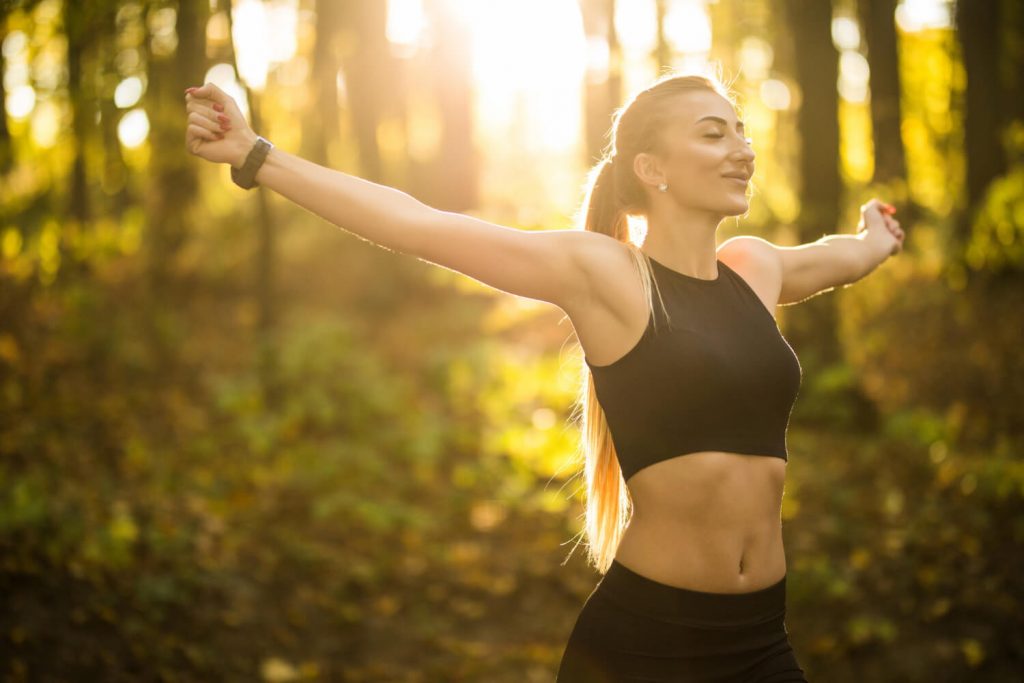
(613, 193)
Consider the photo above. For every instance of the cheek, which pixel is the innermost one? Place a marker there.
(699, 164)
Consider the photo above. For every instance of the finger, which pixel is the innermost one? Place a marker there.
(195, 134)
(212, 92)
(199, 120)
(203, 109)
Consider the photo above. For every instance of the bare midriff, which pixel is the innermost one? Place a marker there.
(708, 521)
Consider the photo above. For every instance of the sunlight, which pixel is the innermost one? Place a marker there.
(918, 15)
(20, 102)
(128, 92)
(524, 44)
(636, 25)
(688, 27)
(265, 34)
(406, 25)
(133, 128)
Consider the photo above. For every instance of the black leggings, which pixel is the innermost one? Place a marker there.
(634, 629)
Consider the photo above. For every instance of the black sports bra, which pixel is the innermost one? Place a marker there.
(717, 376)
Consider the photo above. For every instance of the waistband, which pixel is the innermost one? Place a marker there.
(648, 597)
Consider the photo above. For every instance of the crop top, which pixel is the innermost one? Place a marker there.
(719, 376)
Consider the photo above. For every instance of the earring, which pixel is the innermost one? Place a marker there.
(663, 187)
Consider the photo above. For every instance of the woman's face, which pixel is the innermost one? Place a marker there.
(705, 144)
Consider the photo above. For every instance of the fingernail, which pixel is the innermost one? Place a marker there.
(218, 106)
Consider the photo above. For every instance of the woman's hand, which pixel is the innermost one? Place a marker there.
(216, 130)
(883, 231)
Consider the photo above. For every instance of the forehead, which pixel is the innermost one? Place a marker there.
(690, 107)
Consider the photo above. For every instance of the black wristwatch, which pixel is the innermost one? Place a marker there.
(245, 177)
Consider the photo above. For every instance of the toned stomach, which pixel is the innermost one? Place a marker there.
(708, 521)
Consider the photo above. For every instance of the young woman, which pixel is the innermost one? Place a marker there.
(684, 404)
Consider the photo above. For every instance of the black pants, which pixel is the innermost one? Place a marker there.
(634, 629)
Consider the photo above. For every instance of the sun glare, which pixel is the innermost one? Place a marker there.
(528, 59)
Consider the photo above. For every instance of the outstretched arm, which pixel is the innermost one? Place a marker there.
(805, 270)
(544, 265)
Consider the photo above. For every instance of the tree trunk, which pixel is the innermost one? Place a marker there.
(877, 18)
(368, 75)
(662, 50)
(172, 175)
(603, 92)
(978, 30)
(320, 133)
(455, 180)
(6, 146)
(82, 96)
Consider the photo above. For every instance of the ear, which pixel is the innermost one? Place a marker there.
(648, 169)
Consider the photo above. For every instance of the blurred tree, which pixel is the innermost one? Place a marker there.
(115, 172)
(877, 20)
(175, 52)
(603, 88)
(370, 77)
(80, 20)
(320, 133)
(985, 106)
(454, 177)
(662, 49)
(6, 147)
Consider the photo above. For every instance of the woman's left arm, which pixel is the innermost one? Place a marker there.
(799, 273)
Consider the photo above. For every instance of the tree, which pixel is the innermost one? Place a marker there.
(603, 91)
(978, 30)
(877, 20)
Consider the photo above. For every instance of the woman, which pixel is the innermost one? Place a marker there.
(684, 405)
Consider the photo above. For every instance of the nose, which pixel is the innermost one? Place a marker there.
(745, 150)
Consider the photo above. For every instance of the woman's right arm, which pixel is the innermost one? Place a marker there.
(548, 265)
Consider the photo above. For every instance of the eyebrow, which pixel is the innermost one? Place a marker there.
(720, 120)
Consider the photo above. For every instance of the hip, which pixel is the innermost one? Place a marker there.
(633, 628)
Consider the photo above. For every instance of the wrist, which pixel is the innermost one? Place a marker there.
(242, 149)
(876, 251)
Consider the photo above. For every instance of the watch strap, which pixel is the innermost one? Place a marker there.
(245, 177)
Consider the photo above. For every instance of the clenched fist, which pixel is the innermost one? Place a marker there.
(883, 231)
(216, 130)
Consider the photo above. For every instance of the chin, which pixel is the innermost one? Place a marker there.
(735, 208)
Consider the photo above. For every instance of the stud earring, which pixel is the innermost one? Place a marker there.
(663, 187)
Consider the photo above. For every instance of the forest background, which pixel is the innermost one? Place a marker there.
(237, 443)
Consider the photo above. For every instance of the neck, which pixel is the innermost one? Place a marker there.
(684, 240)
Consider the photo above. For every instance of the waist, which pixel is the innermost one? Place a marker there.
(704, 558)
(709, 521)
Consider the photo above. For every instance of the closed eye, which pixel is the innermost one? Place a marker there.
(747, 140)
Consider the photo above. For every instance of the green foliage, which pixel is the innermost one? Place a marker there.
(903, 556)
(997, 235)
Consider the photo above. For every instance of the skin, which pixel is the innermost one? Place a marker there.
(706, 521)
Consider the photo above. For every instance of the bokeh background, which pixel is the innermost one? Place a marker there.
(238, 443)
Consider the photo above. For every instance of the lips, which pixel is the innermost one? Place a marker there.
(737, 176)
